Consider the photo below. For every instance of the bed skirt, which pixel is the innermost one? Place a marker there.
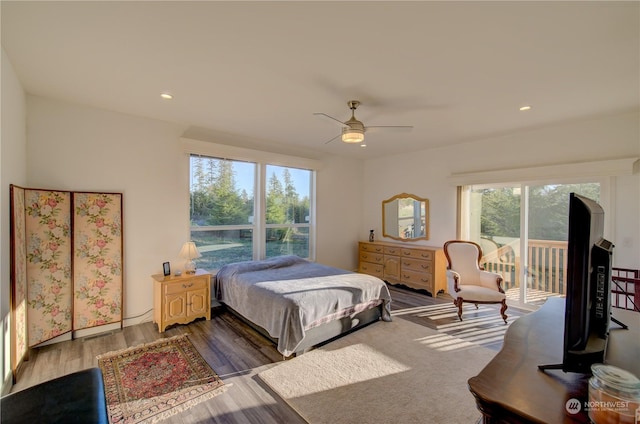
(325, 332)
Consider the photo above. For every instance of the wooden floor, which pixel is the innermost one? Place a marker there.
(237, 353)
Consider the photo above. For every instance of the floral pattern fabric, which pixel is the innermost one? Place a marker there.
(48, 268)
(98, 259)
(67, 271)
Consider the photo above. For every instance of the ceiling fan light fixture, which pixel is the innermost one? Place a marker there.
(352, 135)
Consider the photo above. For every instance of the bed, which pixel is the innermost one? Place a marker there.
(298, 303)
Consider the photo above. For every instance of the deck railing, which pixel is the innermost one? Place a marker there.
(625, 288)
(547, 272)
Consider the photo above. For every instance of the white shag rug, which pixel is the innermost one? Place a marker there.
(388, 372)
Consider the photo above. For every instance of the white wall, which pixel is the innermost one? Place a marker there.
(339, 212)
(73, 147)
(13, 170)
(427, 173)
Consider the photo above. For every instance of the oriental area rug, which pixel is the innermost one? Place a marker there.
(148, 383)
(387, 372)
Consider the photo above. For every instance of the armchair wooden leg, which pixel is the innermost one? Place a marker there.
(503, 309)
(458, 303)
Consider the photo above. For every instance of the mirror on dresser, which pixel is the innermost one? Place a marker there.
(405, 217)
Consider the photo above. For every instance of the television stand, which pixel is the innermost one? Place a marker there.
(511, 389)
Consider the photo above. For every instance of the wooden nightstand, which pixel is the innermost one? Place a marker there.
(180, 300)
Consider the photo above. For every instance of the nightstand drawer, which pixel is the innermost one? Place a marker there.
(188, 285)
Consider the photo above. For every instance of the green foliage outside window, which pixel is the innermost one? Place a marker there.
(548, 210)
(222, 210)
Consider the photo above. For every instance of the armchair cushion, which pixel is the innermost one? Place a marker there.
(479, 293)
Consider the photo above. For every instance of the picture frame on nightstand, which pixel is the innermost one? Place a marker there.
(166, 269)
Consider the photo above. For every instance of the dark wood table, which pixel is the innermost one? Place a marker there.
(511, 388)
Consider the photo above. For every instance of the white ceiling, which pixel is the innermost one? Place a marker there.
(257, 71)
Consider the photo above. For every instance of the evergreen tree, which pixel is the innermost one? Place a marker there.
(291, 197)
(276, 205)
(227, 203)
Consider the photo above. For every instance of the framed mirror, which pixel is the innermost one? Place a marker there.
(405, 217)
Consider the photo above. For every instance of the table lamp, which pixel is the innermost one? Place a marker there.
(189, 251)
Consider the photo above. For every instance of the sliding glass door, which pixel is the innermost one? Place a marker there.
(522, 229)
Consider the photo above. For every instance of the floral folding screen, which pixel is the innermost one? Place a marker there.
(67, 270)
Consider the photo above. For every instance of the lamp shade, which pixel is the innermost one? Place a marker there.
(189, 251)
(352, 135)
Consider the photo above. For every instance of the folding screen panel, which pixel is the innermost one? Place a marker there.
(97, 266)
(49, 289)
(67, 271)
(20, 344)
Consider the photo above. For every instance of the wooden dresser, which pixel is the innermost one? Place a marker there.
(418, 267)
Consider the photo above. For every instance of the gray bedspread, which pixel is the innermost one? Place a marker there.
(287, 294)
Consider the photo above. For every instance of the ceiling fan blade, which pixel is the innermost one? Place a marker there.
(327, 142)
(395, 128)
(327, 117)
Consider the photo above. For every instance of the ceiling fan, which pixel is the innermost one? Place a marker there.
(353, 130)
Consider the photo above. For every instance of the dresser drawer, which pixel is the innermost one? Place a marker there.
(182, 286)
(417, 254)
(376, 270)
(376, 258)
(418, 265)
(392, 250)
(415, 278)
(373, 248)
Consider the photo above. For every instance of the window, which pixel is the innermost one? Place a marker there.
(245, 210)
(287, 214)
(522, 229)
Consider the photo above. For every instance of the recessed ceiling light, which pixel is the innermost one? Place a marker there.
(166, 96)
(523, 108)
(363, 145)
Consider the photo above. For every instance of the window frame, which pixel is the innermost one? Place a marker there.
(607, 199)
(261, 160)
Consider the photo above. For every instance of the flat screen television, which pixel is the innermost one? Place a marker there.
(588, 287)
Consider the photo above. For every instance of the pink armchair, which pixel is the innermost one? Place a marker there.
(467, 281)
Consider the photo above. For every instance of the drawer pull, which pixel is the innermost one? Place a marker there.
(186, 286)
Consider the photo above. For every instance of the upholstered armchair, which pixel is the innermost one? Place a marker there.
(467, 281)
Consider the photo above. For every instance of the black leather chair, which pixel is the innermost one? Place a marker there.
(74, 398)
